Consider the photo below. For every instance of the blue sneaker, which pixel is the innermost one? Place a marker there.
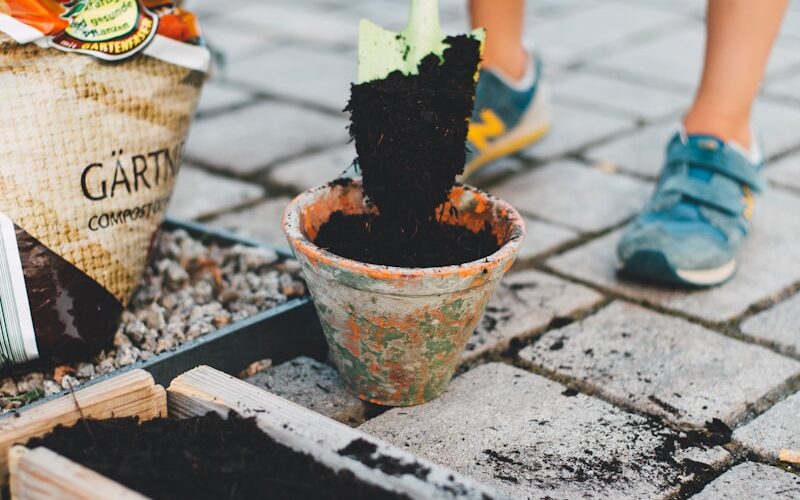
(698, 216)
(507, 117)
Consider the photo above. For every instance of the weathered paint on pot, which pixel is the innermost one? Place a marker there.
(396, 334)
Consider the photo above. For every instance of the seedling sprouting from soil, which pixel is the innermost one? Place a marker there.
(409, 116)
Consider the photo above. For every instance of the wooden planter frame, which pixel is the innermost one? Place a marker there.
(42, 474)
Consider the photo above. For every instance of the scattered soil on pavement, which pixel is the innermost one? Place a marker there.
(643, 450)
(367, 453)
(202, 457)
(410, 133)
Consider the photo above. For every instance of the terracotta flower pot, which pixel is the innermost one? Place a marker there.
(396, 334)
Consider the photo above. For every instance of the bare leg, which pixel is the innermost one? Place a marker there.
(739, 37)
(503, 20)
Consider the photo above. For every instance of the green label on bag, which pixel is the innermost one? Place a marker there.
(111, 30)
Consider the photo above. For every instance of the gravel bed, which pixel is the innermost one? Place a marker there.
(189, 290)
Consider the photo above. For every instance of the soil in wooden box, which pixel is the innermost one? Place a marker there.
(410, 133)
(202, 457)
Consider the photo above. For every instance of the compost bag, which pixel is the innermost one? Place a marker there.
(96, 98)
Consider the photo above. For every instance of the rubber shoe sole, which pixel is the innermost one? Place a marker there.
(533, 126)
(652, 266)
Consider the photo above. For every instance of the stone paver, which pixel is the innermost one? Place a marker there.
(542, 237)
(548, 8)
(777, 326)
(775, 430)
(532, 438)
(642, 152)
(294, 21)
(676, 58)
(248, 139)
(313, 76)
(263, 221)
(550, 192)
(791, 23)
(663, 365)
(208, 9)
(314, 170)
(314, 385)
(387, 14)
(583, 33)
(217, 96)
(786, 171)
(769, 262)
(497, 169)
(526, 302)
(753, 481)
(233, 42)
(693, 7)
(199, 194)
(618, 96)
(573, 128)
(785, 87)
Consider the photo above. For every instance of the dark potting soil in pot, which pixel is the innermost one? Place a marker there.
(205, 457)
(376, 240)
(410, 133)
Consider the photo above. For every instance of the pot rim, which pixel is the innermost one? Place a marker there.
(300, 242)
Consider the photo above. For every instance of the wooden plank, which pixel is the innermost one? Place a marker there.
(41, 474)
(131, 394)
(789, 456)
(205, 389)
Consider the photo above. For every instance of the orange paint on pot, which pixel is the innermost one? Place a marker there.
(415, 321)
(352, 341)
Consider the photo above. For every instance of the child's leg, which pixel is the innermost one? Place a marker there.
(699, 214)
(503, 20)
(512, 103)
(740, 34)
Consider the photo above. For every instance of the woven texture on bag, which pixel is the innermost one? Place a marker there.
(90, 153)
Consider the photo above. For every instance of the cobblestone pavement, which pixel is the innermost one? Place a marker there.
(576, 384)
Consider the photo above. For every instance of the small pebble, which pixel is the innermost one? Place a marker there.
(85, 371)
(105, 366)
(69, 382)
(254, 368)
(30, 382)
(51, 388)
(126, 355)
(120, 339)
(136, 330)
(8, 387)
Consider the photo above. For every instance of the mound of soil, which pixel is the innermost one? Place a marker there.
(410, 133)
(201, 458)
